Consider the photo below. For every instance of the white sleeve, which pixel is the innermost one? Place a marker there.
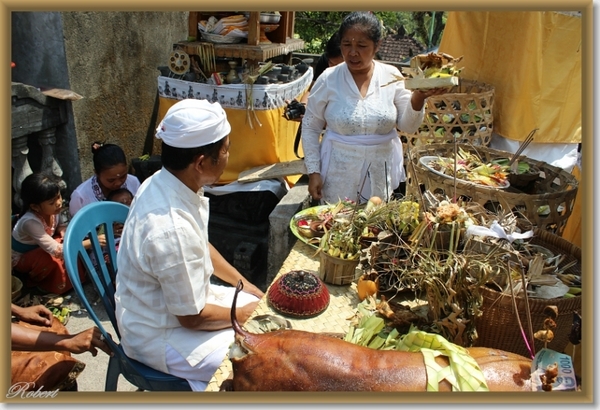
(313, 123)
(133, 183)
(36, 231)
(75, 203)
(409, 120)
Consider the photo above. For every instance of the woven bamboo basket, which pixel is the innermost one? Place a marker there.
(555, 190)
(498, 327)
(465, 113)
(337, 271)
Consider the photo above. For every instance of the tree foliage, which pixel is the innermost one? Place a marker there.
(315, 27)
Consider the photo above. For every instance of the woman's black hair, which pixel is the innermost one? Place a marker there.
(107, 156)
(332, 48)
(37, 188)
(179, 158)
(365, 20)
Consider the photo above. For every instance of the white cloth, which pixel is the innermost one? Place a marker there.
(372, 163)
(545, 152)
(335, 102)
(89, 192)
(496, 231)
(192, 123)
(278, 187)
(199, 375)
(164, 272)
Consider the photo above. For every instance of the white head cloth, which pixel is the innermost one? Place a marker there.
(193, 123)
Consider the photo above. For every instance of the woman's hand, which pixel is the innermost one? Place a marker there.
(418, 96)
(315, 186)
(36, 315)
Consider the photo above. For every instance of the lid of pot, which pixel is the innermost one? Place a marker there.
(298, 293)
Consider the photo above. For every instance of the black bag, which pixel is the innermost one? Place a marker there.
(297, 141)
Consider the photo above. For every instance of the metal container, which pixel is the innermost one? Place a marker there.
(266, 18)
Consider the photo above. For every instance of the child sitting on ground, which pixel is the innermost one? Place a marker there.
(37, 236)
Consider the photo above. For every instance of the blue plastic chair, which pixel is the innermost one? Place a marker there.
(85, 224)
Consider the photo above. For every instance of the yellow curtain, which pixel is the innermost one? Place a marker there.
(270, 143)
(533, 59)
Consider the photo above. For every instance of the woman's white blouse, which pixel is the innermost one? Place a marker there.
(335, 102)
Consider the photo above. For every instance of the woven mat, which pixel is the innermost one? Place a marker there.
(342, 304)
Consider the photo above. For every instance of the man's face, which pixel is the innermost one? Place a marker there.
(221, 163)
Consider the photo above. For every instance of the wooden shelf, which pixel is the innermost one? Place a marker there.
(261, 52)
(283, 41)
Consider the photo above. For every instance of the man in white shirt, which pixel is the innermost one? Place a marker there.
(169, 314)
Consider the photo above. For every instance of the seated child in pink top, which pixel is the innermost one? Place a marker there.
(37, 236)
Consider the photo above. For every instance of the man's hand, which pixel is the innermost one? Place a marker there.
(243, 313)
(89, 340)
(36, 315)
(253, 290)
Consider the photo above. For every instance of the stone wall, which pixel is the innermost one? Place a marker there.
(111, 59)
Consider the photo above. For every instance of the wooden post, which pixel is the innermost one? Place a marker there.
(254, 28)
(193, 20)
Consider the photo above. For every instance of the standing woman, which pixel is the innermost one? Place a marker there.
(360, 154)
(110, 173)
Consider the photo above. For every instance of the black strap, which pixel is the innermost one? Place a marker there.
(297, 141)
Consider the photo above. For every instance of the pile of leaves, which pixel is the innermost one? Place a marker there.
(348, 230)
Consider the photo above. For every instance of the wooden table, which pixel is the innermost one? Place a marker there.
(342, 306)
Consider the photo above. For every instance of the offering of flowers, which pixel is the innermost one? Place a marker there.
(443, 225)
(345, 237)
(311, 223)
(470, 167)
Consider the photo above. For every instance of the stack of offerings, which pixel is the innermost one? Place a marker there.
(464, 113)
(432, 70)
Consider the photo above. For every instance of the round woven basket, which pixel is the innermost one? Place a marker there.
(556, 189)
(465, 113)
(336, 271)
(498, 328)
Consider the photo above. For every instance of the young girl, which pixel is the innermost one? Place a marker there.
(37, 249)
(110, 168)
